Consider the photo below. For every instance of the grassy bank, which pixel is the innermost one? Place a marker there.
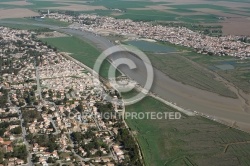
(188, 141)
(239, 75)
(178, 68)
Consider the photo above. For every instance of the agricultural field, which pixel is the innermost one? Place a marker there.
(191, 140)
(188, 141)
(227, 14)
(79, 50)
(47, 21)
(143, 15)
(17, 13)
(30, 4)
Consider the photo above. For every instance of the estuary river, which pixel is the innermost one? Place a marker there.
(184, 96)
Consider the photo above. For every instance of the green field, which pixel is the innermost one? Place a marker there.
(188, 141)
(239, 76)
(200, 6)
(173, 12)
(121, 4)
(47, 21)
(21, 26)
(36, 4)
(210, 18)
(81, 51)
(144, 10)
(31, 23)
(147, 15)
(155, 15)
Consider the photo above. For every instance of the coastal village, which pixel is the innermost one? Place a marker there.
(221, 46)
(51, 108)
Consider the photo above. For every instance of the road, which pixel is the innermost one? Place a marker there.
(38, 83)
(54, 125)
(184, 96)
(75, 154)
(29, 162)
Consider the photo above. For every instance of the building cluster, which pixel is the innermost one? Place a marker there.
(14, 45)
(55, 103)
(222, 46)
(10, 135)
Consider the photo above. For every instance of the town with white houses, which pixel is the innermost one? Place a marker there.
(51, 108)
(221, 46)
